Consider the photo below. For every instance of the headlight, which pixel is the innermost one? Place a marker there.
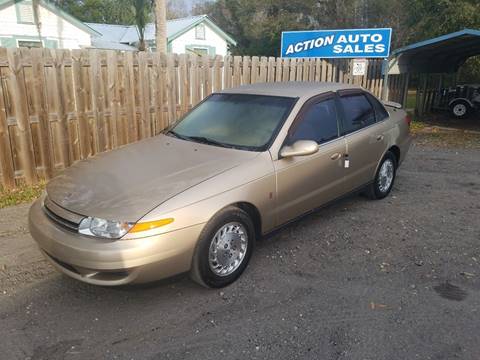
(116, 229)
(104, 228)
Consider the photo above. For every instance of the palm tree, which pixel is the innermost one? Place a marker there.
(142, 8)
(161, 25)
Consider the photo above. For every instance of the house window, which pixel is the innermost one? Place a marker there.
(29, 44)
(200, 32)
(24, 13)
(200, 51)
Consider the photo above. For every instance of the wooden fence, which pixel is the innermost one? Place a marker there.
(60, 106)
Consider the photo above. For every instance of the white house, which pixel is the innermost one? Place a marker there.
(57, 28)
(195, 34)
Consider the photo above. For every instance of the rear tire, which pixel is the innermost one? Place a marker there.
(460, 109)
(224, 248)
(384, 178)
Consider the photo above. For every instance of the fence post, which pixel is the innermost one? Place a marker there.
(113, 98)
(227, 72)
(22, 117)
(6, 160)
(144, 95)
(79, 91)
(130, 97)
(217, 74)
(196, 88)
(171, 95)
(38, 95)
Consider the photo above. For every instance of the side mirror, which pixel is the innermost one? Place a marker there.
(299, 148)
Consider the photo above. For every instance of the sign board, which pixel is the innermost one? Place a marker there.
(353, 43)
(359, 67)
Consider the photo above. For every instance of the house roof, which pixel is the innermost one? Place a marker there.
(109, 32)
(128, 34)
(56, 10)
(101, 43)
(442, 54)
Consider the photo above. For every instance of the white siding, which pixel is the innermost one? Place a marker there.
(212, 39)
(54, 27)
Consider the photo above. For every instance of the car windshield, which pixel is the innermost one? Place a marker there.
(235, 120)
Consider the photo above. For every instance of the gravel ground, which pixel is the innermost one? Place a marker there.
(391, 279)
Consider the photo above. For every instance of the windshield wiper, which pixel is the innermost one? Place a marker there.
(205, 140)
(177, 135)
(200, 139)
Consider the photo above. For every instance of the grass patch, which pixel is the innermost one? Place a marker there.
(21, 194)
(411, 99)
(417, 126)
(454, 139)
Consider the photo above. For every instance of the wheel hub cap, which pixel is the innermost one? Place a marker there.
(459, 109)
(228, 248)
(385, 176)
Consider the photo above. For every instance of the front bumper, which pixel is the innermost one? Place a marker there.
(107, 262)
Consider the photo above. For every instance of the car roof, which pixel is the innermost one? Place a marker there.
(301, 89)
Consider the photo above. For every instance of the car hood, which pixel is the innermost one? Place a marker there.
(127, 183)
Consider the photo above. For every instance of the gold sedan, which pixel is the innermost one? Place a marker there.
(196, 197)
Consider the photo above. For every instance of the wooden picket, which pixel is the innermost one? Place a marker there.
(61, 106)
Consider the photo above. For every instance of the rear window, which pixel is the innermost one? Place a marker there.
(358, 112)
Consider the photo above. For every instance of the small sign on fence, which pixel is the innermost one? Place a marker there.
(364, 43)
(359, 67)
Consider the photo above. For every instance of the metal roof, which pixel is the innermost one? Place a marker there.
(301, 89)
(173, 27)
(109, 32)
(101, 43)
(128, 34)
(443, 54)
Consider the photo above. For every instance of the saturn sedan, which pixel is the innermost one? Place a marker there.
(195, 198)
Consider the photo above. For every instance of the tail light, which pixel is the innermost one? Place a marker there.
(408, 120)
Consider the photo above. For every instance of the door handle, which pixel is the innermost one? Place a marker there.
(379, 137)
(335, 156)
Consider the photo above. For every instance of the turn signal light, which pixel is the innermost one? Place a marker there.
(150, 225)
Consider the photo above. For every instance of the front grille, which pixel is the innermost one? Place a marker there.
(61, 217)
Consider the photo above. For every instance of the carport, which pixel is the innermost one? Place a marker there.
(434, 63)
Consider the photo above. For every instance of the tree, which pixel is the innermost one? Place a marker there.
(142, 10)
(100, 11)
(36, 18)
(176, 9)
(161, 25)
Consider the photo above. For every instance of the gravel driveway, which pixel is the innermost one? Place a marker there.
(391, 279)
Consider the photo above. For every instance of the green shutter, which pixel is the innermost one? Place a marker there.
(8, 42)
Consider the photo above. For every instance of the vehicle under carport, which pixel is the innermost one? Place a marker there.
(434, 64)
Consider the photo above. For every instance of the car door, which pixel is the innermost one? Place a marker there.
(364, 135)
(306, 182)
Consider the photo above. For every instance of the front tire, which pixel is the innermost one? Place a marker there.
(224, 248)
(384, 178)
(460, 109)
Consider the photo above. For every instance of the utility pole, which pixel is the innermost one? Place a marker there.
(161, 25)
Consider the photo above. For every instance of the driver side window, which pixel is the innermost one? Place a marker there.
(319, 123)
